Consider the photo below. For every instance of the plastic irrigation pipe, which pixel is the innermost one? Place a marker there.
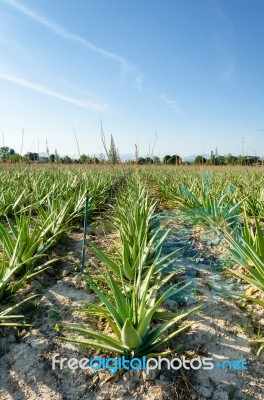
(85, 223)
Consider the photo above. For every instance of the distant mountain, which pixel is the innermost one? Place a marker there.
(193, 156)
(125, 156)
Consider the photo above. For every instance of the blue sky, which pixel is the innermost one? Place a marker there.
(189, 70)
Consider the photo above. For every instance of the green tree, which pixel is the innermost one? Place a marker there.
(250, 160)
(141, 160)
(66, 160)
(230, 159)
(200, 160)
(83, 159)
(31, 156)
(5, 153)
(241, 160)
(14, 158)
(172, 160)
(166, 159)
(220, 160)
(175, 159)
(52, 158)
(156, 160)
(148, 160)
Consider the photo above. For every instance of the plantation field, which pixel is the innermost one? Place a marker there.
(172, 266)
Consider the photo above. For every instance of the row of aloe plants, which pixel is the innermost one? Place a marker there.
(130, 284)
(23, 189)
(48, 203)
(249, 185)
(236, 214)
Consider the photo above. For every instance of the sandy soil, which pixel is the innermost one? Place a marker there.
(222, 329)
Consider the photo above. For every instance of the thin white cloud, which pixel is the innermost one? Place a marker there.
(229, 68)
(66, 34)
(88, 105)
(227, 61)
(171, 103)
(225, 20)
(224, 47)
(138, 82)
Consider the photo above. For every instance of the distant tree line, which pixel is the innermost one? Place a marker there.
(8, 155)
(229, 159)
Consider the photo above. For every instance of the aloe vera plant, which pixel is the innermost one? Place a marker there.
(246, 248)
(23, 243)
(248, 251)
(8, 318)
(130, 313)
(253, 235)
(140, 245)
(245, 254)
(37, 212)
(11, 278)
(131, 303)
(207, 206)
(220, 209)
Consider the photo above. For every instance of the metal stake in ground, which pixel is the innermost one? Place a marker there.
(85, 223)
